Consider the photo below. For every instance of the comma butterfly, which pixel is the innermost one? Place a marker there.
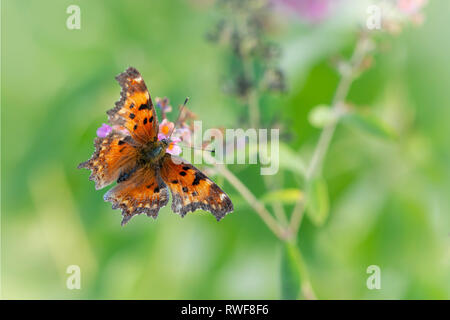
(132, 155)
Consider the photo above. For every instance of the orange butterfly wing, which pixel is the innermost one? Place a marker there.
(192, 190)
(113, 157)
(142, 192)
(135, 109)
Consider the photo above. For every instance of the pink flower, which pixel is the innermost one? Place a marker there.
(412, 9)
(410, 6)
(184, 133)
(163, 104)
(310, 10)
(165, 129)
(103, 131)
(173, 148)
(399, 13)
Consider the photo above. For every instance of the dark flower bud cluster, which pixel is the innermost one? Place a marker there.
(244, 28)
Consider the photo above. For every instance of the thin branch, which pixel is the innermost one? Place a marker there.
(253, 108)
(280, 214)
(252, 95)
(259, 208)
(322, 146)
(277, 206)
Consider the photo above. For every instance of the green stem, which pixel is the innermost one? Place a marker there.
(252, 98)
(277, 206)
(305, 283)
(323, 144)
(259, 208)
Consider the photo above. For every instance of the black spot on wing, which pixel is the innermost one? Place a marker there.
(126, 175)
(143, 106)
(198, 177)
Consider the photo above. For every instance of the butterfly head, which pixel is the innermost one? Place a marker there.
(165, 143)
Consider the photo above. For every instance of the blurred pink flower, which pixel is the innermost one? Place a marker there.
(165, 131)
(103, 131)
(173, 148)
(398, 13)
(163, 104)
(184, 133)
(165, 128)
(411, 6)
(412, 9)
(310, 10)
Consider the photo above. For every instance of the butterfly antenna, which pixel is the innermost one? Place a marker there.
(179, 116)
(177, 123)
(194, 148)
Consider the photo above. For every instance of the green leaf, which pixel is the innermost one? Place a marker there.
(369, 123)
(285, 196)
(321, 115)
(318, 202)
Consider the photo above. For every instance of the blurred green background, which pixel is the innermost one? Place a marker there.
(389, 198)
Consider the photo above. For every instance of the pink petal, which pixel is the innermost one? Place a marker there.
(184, 133)
(410, 6)
(104, 130)
(311, 10)
(165, 124)
(176, 150)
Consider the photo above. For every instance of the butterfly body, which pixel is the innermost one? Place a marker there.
(153, 152)
(133, 156)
